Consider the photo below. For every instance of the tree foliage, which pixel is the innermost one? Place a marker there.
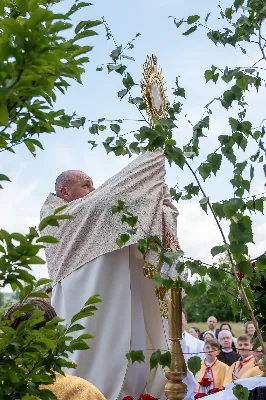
(36, 61)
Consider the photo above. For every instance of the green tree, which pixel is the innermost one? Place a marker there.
(36, 61)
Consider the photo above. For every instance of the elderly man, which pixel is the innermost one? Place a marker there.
(87, 260)
(211, 326)
(227, 354)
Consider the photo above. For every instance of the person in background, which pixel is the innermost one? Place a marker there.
(195, 345)
(65, 387)
(211, 324)
(255, 371)
(211, 368)
(227, 326)
(194, 331)
(249, 328)
(207, 335)
(245, 362)
(227, 354)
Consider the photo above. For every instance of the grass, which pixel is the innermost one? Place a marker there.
(236, 327)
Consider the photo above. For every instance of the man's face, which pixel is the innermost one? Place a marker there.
(225, 340)
(184, 322)
(81, 186)
(210, 353)
(244, 348)
(211, 323)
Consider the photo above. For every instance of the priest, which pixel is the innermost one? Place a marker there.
(88, 261)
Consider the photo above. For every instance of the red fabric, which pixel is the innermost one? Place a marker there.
(215, 390)
(205, 382)
(147, 397)
(199, 395)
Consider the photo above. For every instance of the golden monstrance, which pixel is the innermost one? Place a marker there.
(154, 94)
(153, 90)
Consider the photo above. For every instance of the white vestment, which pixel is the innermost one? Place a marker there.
(118, 278)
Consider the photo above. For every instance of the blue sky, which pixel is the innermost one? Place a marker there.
(187, 57)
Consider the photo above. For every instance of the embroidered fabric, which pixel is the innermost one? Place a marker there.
(93, 230)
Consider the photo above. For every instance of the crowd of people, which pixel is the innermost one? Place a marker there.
(225, 358)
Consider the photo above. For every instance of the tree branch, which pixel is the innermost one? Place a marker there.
(241, 288)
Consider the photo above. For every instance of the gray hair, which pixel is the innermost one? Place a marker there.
(227, 331)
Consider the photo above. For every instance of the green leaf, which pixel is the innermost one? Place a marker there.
(79, 345)
(75, 328)
(219, 249)
(232, 206)
(205, 170)
(215, 161)
(122, 93)
(190, 30)
(47, 239)
(240, 167)
(84, 313)
(237, 4)
(93, 300)
(115, 54)
(207, 17)
(36, 260)
(245, 267)
(251, 172)
(4, 178)
(115, 128)
(179, 23)
(175, 195)
(241, 231)
(87, 25)
(194, 364)
(135, 356)
(192, 19)
(238, 249)
(241, 392)
(204, 203)
(30, 146)
(43, 281)
(36, 143)
(219, 210)
(128, 81)
(165, 359)
(154, 359)
(3, 115)
(208, 75)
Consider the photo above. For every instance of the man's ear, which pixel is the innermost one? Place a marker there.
(64, 193)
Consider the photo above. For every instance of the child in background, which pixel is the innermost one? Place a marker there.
(245, 362)
(213, 371)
